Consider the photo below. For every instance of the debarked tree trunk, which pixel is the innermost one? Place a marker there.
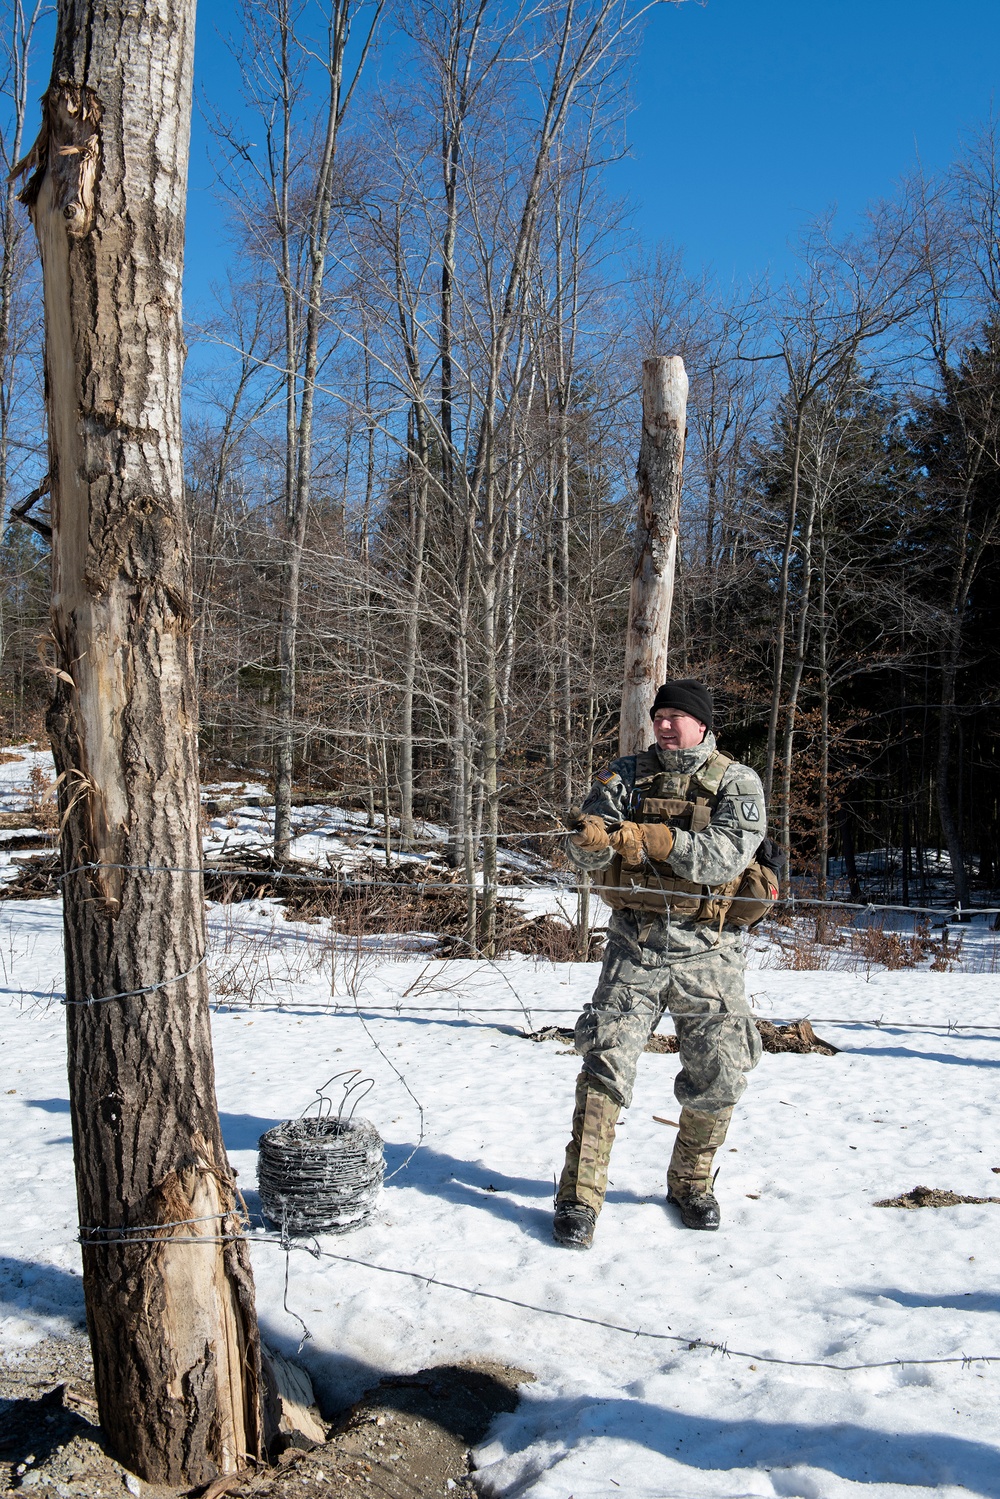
(660, 475)
(167, 1279)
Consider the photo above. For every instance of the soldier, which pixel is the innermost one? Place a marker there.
(667, 835)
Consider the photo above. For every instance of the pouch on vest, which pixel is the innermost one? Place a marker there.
(755, 894)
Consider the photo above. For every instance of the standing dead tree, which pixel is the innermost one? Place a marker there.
(167, 1277)
(661, 466)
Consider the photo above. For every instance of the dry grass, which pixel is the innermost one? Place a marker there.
(837, 944)
(372, 901)
(895, 950)
(43, 810)
(803, 953)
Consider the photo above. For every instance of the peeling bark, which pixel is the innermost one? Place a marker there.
(661, 467)
(167, 1278)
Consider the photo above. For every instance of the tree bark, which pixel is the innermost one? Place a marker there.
(170, 1310)
(661, 467)
(803, 625)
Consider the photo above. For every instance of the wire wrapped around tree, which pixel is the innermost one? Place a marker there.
(321, 1173)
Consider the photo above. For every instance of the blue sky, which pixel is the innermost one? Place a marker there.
(754, 115)
(750, 117)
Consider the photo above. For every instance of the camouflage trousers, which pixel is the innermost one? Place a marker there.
(656, 965)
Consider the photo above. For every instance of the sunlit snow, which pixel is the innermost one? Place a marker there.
(458, 1261)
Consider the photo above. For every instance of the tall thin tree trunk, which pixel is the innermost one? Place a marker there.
(795, 687)
(661, 465)
(779, 633)
(950, 827)
(823, 838)
(289, 599)
(490, 780)
(512, 548)
(172, 1324)
(552, 645)
(565, 600)
(300, 444)
(418, 466)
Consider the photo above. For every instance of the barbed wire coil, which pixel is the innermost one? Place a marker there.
(321, 1173)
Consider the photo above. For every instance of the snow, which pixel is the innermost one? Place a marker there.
(458, 1261)
(16, 766)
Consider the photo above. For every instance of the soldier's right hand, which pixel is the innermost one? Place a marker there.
(591, 834)
(628, 841)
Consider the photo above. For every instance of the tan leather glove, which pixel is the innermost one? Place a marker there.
(627, 841)
(591, 834)
(659, 840)
(633, 842)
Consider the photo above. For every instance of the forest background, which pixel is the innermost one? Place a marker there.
(424, 271)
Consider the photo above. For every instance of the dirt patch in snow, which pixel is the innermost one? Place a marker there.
(798, 1036)
(409, 1436)
(929, 1197)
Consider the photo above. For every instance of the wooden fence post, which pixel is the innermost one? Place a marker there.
(661, 467)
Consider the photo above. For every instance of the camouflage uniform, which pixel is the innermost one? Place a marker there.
(660, 958)
(659, 962)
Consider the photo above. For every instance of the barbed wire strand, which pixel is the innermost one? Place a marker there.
(134, 993)
(285, 1243)
(145, 1233)
(341, 1011)
(633, 1332)
(524, 1008)
(954, 909)
(419, 1106)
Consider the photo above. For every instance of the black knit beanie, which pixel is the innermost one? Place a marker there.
(687, 695)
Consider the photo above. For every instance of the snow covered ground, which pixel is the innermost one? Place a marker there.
(458, 1261)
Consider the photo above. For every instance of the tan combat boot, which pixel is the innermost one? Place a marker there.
(689, 1175)
(584, 1181)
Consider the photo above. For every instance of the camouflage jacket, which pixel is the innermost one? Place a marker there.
(712, 857)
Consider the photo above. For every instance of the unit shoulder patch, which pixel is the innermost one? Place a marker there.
(750, 812)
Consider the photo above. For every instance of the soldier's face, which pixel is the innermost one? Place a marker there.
(675, 730)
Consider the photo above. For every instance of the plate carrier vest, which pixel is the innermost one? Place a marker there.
(681, 801)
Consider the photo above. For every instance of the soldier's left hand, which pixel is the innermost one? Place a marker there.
(627, 841)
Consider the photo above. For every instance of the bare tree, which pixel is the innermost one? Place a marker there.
(167, 1277)
(286, 201)
(850, 295)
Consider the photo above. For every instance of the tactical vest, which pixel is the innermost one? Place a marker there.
(681, 801)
